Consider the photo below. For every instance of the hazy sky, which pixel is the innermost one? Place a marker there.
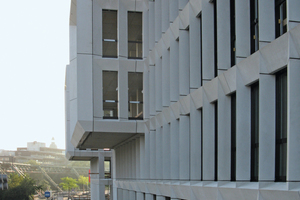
(34, 39)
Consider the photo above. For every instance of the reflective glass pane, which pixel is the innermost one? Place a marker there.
(110, 93)
(135, 95)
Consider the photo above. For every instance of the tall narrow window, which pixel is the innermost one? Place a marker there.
(216, 38)
(281, 126)
(280, 17)
(233, 137)
(110, 94)
(135, 35)
(216, 141)
(135, 95)
(254, 25)
(109, 33)
(232, 31)
(254, 131)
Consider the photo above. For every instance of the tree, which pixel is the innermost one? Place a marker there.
(19, 188)
(68, 184)
(32, 162)
(82, 180)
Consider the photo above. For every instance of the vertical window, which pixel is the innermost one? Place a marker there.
(216, 141)
(109, 33)
(254, 131)
(254, 25)
(281, 126)
(233, 137)
(216, 38)
(232, 31)
(135, 95)
(110, 94)
(280, 17)
(135, 35)
(201, 75)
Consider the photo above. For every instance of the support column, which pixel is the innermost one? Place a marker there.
(266, 19)
(174, 70)
(208, 140)
(165, 15)
(158, 149)
(184, 63)
(132, 195)
(243, 129)
(149, 196)
(166, 151)
(151, 25)
(174, 141)
(120, 194)
(97, 175)
(166, 77)
(152, 90)
(184, 147)
(157, 18)
(242, 24)
(158, 83)
(195, 51)
(146, 169)
(125, 194)
(267, 127)
(160, 198)
(196, 132)
(173, 10)
(224, 135)
(293, 136)
(139, 196)
(152, 154)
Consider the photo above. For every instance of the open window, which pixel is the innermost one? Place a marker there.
(110, 94)
(135, 35)
(109, 33)
(135, 95)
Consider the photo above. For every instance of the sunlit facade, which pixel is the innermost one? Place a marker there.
(195, 99)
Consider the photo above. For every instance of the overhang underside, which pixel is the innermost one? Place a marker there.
(101, 140)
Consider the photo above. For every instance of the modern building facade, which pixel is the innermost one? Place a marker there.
(196, 99)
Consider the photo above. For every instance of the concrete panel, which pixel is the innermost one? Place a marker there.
(84, 26)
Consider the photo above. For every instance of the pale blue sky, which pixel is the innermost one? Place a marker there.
(34, 42)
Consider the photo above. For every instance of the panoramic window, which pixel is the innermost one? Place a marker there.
(254, 25)
(110, 94)
(233, 137)
(280, 17)
(135, 95)
(281, 126)
(135, 35)
(254, 131)
(232, 31)
(109, 33)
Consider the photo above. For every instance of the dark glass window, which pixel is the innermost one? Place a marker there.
(168, 198)
(109, 33)
(216, 141)
(216, 38)
(254, 131)
(135, 95)
(254, 25)
(135, 35)
(280, 17)
(232, 31)
(110, 94)
(233, 137)
(281, 126)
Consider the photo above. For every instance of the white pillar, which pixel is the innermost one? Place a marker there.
(149, 196)
(132, 195)
(266, 19)
(139, 196)
(146, 169)
(196, 132)
(243, 129)
(293, 136)
(166, 151)
(184, 63)
(242, 24)
(267, 127)
(224, 135)
(174, 70)
(152, 90)
(165, 15)
(184, 147)
(158, 83)
(173, 10)
(208, 140)
(174, 141)
(157, 19)
(165, 77)
(152, 154)
(151, 25)
(158, 149)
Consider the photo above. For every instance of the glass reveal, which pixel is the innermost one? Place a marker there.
(135, 37)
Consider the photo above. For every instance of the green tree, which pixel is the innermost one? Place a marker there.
(32, 162)
(19, 188)
(83, 180)
(68, 184)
